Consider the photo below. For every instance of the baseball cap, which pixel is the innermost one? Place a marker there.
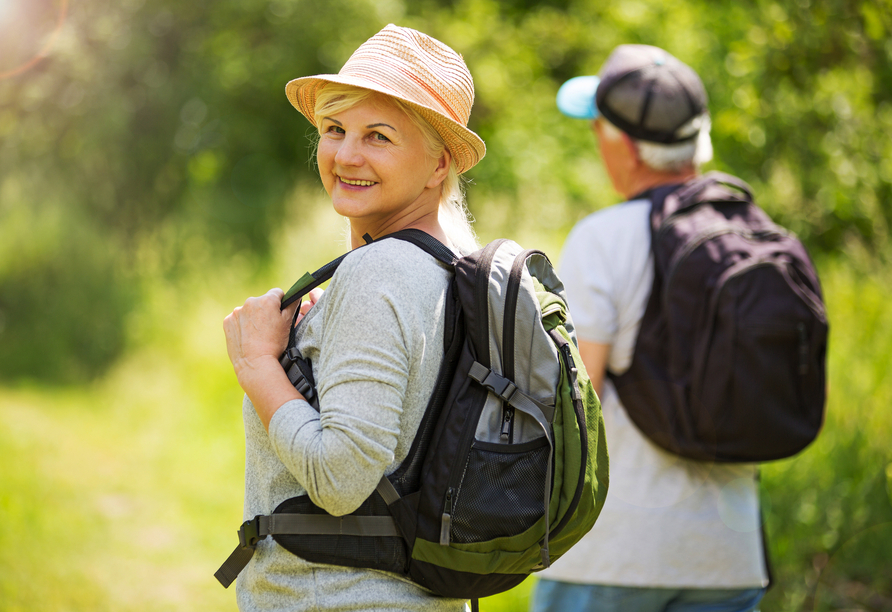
(644, 91)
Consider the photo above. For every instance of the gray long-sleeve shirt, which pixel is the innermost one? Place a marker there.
(375, 340)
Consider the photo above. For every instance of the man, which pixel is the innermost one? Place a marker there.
(674, 534)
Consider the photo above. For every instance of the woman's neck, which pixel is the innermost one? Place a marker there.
(428, 224)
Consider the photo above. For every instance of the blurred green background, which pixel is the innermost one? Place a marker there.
(153, 175)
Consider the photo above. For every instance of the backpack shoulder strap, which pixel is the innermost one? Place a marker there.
(671, 199)
(310, 281)
(426, 243)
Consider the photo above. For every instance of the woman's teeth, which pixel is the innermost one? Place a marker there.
(360, 183)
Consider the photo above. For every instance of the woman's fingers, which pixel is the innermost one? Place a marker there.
(259, 328)
(312, 297)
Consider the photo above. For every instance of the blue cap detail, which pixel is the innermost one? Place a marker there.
(576, 97)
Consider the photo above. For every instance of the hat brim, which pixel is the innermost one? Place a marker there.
(466, 147)
(576, 97)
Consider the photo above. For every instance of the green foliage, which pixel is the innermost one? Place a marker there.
(828, 511)
(149, 159)
(168, 118)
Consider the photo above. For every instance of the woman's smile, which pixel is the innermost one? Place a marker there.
(357, 182)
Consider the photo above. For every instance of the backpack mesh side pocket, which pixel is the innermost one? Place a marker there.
(501, 490)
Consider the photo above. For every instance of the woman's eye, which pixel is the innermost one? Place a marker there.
(381, 137)
(335, 129)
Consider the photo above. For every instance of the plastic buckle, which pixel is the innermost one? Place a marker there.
(249, 533)
(303, 387)
(500, 385)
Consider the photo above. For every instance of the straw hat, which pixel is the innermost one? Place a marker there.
(417, 69)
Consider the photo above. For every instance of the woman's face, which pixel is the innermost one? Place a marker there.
(374, 165)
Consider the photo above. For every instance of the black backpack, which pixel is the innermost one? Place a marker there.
(508, 468)
(729, 363)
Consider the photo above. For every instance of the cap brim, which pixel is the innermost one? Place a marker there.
(576, 97)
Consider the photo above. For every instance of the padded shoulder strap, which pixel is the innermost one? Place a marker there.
(425, 242)
(691, 192)
(308, 282)
(670, 199)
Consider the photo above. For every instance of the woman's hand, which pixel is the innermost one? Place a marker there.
(256, 336)
(257, 330)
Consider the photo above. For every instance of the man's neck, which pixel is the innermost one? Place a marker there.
(649, 179)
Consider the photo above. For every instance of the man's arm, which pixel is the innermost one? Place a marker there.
(594, 356)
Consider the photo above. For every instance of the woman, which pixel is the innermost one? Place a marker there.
(393, 142)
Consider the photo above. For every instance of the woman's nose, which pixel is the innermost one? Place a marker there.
(348, 153)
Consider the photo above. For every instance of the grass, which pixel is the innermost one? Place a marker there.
(125, 494)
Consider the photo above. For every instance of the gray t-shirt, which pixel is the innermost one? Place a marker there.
(375, 340)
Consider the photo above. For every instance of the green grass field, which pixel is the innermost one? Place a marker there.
(124, 495)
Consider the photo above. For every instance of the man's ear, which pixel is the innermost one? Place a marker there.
(441, 171)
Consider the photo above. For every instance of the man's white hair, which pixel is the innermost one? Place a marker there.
(672, 158)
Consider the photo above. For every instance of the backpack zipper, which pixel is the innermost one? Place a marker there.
(803, 348)
(481, 298)
(455, 473)
(579, 408)
(509, 321)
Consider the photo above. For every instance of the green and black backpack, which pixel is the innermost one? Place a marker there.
(508, 468)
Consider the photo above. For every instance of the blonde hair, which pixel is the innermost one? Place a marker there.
(453, 214)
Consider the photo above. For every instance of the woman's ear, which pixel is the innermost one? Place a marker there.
(441, 171)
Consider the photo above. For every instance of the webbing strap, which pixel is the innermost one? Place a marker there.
(234, 564)
(427, 243)
(509, 392)
(261, 526)
(386, 490)
(325, 524)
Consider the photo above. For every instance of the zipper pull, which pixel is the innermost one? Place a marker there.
(505, 434)
(446, 520)
(572, 371)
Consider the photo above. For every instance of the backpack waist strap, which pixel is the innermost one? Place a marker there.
(261, 526)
